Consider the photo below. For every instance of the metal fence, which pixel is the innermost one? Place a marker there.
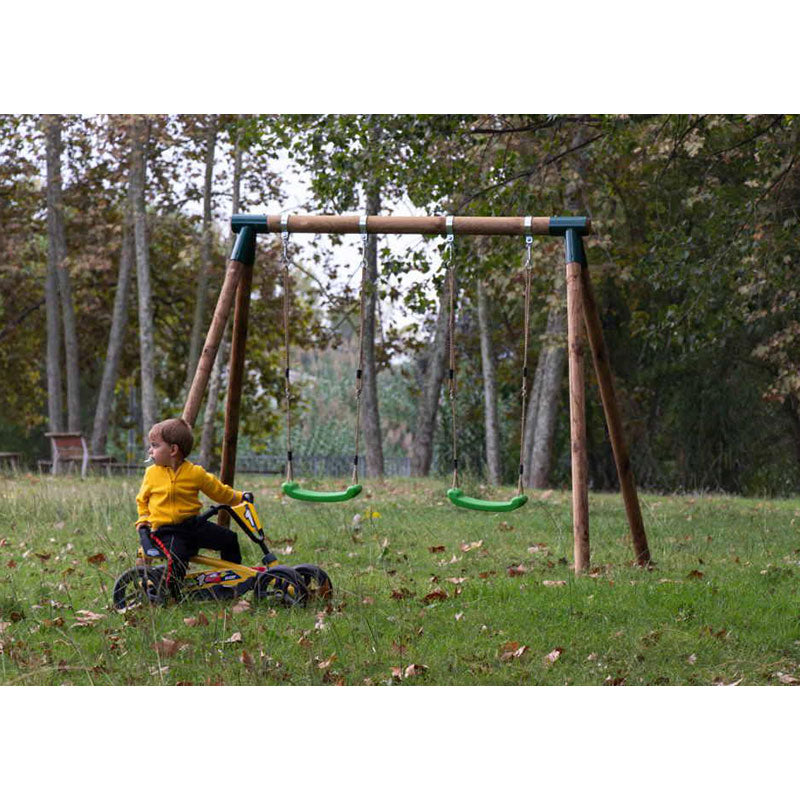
(318, 466)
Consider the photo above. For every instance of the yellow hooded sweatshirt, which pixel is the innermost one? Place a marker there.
(169, 496)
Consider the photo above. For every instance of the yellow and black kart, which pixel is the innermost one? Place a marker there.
(216, 579)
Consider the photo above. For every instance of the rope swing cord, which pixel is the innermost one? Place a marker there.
(455, 494)
(290, 487)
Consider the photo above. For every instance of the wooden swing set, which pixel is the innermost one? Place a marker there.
(581, 305)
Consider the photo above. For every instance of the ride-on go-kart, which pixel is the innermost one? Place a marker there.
(219, 579)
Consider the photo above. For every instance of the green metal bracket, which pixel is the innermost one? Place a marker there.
(559, 226)
(244, 250)
(293, 490)
(573, 247)
(257, 221)
(458, 498)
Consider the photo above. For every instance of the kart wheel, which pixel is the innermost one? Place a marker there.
(316, 580)
(281, 585)
(140, 585)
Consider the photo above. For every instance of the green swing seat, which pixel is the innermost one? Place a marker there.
(294, 490)
(458, 498)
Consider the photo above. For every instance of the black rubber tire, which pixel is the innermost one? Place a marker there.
(280, 585)
(317, 582)
(140, 585)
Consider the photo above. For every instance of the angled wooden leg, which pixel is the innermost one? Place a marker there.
(243, 255)
(608, 395)
(577, 404)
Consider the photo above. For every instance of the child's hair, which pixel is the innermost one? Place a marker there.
(175, 431)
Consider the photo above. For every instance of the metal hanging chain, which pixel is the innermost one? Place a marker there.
(450, 266)
(524, 391)
(287, 393)
(362, 226)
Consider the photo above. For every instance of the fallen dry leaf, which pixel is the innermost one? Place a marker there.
(328, 661)
(459, 616)
(554, 583)
(437, 594)
(437, 548)
(412, 670)
(513, 572)
(554, 655)
(457, 580)
(397, 673)
(539, 547)
(304, 641)
(12, 564)
(465, 548)
(43, 556)
(400, 594)
(246, 659)
(242, 606)
(787, 679)
(193, 622)
(512, 650)
(235, 637)
(696, 574)
(166, 647)
(692, 659)
(97, 558)
(368, 601)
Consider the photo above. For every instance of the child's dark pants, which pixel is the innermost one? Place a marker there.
(185, 539)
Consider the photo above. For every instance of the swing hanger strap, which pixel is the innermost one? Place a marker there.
(528, 226)
(449, 240)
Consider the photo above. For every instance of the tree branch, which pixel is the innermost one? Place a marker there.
(11, 325)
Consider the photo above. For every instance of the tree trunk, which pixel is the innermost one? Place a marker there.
(55, 253)
(428, 406)
(52, 127)
(206, 256)
(489, 388)
(215, 381)
(540, 425)
(119, 322)
(370, 420)
(542, 412)
(139, 132)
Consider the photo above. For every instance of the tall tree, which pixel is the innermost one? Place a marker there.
(489, 387)
(119, 321)
(206, 252)
(215, 381)
(431, 369)
(139, 133)
(58, 254)
(371, 417)
(55, 253)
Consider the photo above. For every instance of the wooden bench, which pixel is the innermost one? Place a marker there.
(70, 448)
(11, 460)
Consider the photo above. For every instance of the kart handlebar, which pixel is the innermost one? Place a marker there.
(213, 510)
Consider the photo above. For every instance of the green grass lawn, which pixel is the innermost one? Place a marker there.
(425, 593)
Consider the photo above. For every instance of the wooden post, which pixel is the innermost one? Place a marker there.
(233, 403)
(608, 395)
(577, 404)
(243, 253)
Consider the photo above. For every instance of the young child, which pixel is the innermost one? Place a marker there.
(168, 502)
